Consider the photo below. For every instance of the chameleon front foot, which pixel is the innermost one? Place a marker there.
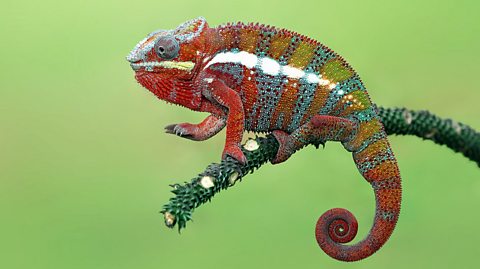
(234, 151)
(209, 127)
(182, 129)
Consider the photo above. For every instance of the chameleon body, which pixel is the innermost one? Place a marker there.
(252, 77)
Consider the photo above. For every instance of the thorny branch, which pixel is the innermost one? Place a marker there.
(397, 121)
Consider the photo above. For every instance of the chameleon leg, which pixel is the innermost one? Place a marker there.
(228, 98)
(318, 130)
(376, 162)
(209, 127)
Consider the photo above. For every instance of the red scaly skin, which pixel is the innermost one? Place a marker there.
(264, 79)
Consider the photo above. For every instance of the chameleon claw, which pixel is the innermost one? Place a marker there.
(169, 129)
(178, 130)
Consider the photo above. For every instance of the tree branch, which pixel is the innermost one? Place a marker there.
(397, 121)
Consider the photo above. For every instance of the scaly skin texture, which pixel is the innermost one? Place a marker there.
(252, 77)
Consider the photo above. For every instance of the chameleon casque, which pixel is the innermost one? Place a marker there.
(252, 77)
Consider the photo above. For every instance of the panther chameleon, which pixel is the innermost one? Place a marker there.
(253, 77)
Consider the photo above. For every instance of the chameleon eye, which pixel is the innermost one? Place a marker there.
(167, 47)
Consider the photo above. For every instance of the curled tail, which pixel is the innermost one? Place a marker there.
(377, 164)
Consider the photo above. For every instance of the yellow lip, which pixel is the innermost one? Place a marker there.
(184, 66)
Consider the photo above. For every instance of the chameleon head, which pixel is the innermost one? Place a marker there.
(165, 57)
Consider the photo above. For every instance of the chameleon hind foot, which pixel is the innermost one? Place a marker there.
(285, 149)
(317, 131)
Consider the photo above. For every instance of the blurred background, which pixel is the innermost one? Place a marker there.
(85, 164)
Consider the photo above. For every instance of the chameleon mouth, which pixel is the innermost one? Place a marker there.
(184, 66)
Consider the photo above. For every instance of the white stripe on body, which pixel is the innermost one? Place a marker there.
(268, 66)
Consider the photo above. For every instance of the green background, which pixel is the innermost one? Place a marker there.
(85, 164)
